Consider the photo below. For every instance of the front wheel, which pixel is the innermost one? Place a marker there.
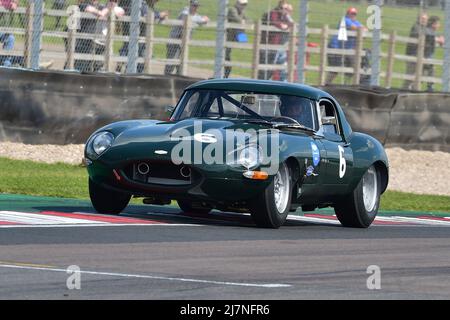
(361, 207)
(107, 201)
(271, 208)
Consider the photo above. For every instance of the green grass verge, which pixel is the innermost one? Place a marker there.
(33, 178)
(68, 181)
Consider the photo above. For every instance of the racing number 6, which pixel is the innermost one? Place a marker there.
(342, 162)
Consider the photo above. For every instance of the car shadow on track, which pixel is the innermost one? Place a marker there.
(173, 215)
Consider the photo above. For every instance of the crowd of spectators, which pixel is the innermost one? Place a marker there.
(428, 26)
(279, 18)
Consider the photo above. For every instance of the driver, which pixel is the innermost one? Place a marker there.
(297, 109)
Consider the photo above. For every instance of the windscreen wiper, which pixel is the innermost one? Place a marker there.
(259, 121)
(293, 126)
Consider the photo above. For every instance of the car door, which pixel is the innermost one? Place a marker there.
(339, 155)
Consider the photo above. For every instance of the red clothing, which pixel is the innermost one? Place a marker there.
(9, 4)
(276, 19)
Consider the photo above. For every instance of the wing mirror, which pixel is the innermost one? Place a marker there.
(169, 111)
(329, 120)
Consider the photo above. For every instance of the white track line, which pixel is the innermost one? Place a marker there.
(126, 275)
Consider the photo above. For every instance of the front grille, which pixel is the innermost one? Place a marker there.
(160, 173)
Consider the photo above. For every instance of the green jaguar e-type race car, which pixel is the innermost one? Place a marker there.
(262, 147)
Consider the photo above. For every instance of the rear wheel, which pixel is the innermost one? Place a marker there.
(107, 201)
(361, 207)
(271, 208)
(187, 207)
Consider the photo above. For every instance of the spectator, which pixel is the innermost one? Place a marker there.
(278, 18)
(431, 40)
(11, 6)
(235, 15)
(282, 54)
(337, 60)
(174, 50)
(7, 40)
(58, 5)
(412, 48)
(90, 25)
(287, 11)
(159, 17)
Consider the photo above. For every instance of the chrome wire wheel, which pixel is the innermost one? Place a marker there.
(370, 189)
(282, 188)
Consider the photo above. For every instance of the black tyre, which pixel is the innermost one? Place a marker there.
(271, 208)
(187, 207)
(361, 207)
(107, 201)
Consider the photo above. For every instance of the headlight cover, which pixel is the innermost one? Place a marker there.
(249, 157)
(102, 142)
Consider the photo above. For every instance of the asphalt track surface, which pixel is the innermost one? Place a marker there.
(158, 253)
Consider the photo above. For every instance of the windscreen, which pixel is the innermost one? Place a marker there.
(221, 104)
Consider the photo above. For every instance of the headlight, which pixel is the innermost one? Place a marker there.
(102, 142)
(249, 157)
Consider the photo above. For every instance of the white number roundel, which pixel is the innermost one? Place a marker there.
(342, 162)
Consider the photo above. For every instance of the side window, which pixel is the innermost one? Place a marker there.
(190, 106)
(214, 109)
(329, 119)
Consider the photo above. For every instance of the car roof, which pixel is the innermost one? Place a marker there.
(262, 86)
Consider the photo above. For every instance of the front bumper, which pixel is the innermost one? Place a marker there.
(216, 183)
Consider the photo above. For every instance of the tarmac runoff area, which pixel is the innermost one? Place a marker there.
(152, 252)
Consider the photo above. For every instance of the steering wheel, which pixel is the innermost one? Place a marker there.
(284, 118)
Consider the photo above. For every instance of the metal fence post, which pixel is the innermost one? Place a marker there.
(256, 45)
(149, 41)
(133, 45)
(302, 39)
(220, 38)
(73, 22)
(187, 26)
(390, 58)
(376, 51)
(291, 60)
(36, 33)
(446, 71)
(419, 64)
(109, 43)
(323, 55)
(28, 34)
(358, 57)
